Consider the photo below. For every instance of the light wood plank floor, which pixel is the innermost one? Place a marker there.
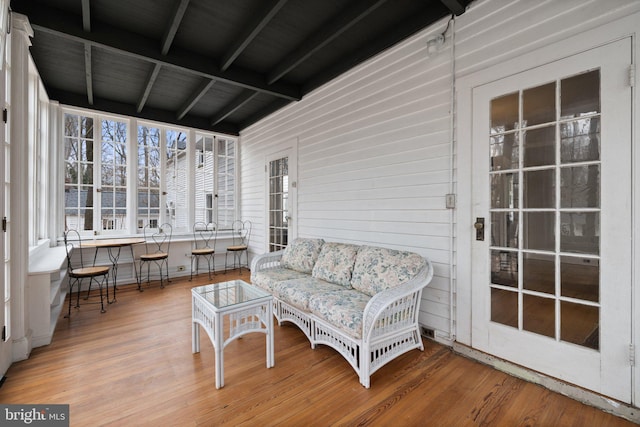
(133, 366)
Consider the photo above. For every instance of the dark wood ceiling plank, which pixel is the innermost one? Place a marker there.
(252, 27)
(329, 31)
(172, 29)
(195, 97)
(86, 15)
(455, 6)
(88, 73)
(264, 112)
(386, 38)
(233, 106)
(51, 21)
(147, 89)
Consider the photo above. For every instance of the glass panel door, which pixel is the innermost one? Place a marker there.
(278, 203)
(551, 255)
(545, 209)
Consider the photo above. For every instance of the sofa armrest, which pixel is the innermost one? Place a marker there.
(396, 308)
(266, 261)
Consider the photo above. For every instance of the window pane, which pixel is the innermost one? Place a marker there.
(79, 168)
(204, 178)
(176, 179)
(148, 176)
(113, 173)
(504, 152)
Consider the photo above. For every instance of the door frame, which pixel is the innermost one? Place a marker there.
(563, 48)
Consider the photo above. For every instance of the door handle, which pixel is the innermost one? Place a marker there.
(479, 226)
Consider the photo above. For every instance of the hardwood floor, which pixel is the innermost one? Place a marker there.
(133, 366)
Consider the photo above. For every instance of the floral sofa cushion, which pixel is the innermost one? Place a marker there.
(343, 309)
(301, 254)
(266, 279)
(335, 263)
(378, 269)
(298, 292)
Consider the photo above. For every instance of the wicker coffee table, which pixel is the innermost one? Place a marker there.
(243, 307)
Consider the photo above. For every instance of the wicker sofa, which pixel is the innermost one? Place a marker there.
(361, 300)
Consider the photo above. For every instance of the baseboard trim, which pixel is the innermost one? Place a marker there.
(587, 397)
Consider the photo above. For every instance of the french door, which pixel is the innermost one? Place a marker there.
(280, 209)
(551, 255)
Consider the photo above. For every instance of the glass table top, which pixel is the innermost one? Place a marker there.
(226, 294)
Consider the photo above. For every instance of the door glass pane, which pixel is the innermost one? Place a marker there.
(504, 113)
(504, 152)
(539, 315)
(504, 191)
(504, 268)
(580, 324)
(580, 187)
(539, 146)
(538, 105)
(539, 189)
(504, 307)
(580, 95)
(539, 231)
(504, 229)
(580, 140)
(580, 232)
(580, 278)
(539, 273)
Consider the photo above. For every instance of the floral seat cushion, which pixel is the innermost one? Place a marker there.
(301, 254)
(335, 263)
(378, 269)
(266, 279)
(298, 292)
(341, 308)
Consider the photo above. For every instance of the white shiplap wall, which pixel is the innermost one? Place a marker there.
(373, 146)
(373, 161)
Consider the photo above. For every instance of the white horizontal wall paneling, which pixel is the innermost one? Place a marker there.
(494, 31)
(373, 159)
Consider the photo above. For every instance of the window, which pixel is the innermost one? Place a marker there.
(148, 176)
(169, 169)
(78, 180)
(113, 176)
(204, 178)
(176, 179)
(226, 188)
(91, 207)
